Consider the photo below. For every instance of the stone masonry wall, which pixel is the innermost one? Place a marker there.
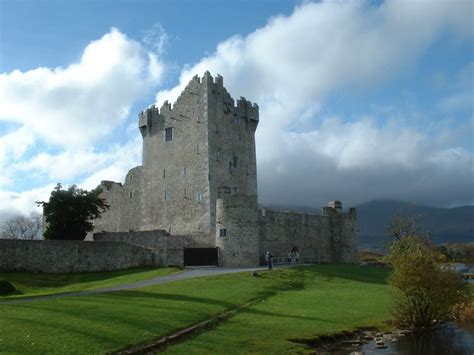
(170, 246)
(237, 215)
(64, 256)
(232, 159)
(176, 184)
(170, 191)
(212, 146)
(280, 231)
(343, 232)
(330, 236)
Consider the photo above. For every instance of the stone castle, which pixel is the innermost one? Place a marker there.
(196, 189)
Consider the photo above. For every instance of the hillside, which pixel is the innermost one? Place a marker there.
(443, 225)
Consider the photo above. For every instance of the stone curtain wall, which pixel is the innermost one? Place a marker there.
(280, 231)
(151, 239)
(170, 246)
(58, 256)
(332, 236)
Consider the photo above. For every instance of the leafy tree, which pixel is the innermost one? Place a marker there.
(424, 292)
(69, 213)
(22, 226)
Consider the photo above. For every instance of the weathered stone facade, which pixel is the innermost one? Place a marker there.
(198, 183)
(69, 256)
(330, 237)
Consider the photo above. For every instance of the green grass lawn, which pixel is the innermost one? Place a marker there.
(322, 301)
(293, 303)
(35, 284)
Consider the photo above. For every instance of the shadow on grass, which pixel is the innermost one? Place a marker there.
(29, 279)
(208, 301)
(349, 272)
(100, 315)
(46, 324)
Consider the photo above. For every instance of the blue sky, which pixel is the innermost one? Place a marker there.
(358, 100)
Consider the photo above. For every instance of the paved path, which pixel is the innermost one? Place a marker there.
(185, 274)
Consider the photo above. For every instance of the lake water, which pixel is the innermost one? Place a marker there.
(447, 339)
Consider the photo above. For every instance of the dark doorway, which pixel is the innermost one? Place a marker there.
(200, 256)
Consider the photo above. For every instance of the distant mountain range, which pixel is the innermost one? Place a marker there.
(443, 225)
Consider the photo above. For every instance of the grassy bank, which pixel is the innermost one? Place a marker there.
(34, 284)
(320, 301)
(299, 303)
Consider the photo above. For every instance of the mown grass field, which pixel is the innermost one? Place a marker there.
(31, 284)
(297, 303)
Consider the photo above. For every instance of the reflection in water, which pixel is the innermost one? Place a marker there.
(447, 339)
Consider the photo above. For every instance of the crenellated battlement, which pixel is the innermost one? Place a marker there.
(248, 110)
(200, 86)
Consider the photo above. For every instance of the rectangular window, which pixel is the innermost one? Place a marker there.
(235, 190)
(222, 232)
(235, 161)
(168, 134)
(184, 171)
(164, 173)
(185, 193)
(230, 167)
(199, 197)
(166, 195)
(130, 194)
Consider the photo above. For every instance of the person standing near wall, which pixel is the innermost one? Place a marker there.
(294, 255)
(269, 260)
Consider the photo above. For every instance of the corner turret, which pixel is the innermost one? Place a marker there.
(149, 121)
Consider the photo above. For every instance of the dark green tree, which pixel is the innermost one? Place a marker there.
(69, 213)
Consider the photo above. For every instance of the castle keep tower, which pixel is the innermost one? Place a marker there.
(202, 146)
(197, 188)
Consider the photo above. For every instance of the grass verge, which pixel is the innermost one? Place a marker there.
(293, 304)
(36, 284)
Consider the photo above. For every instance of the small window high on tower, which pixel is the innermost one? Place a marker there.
(168, 134)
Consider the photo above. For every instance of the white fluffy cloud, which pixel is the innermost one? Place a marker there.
(292, 64)
(362, 160)
(70, 109)
(325, 46)
(14, 144)
(82, 102)
(68, 165)
(22, 202)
